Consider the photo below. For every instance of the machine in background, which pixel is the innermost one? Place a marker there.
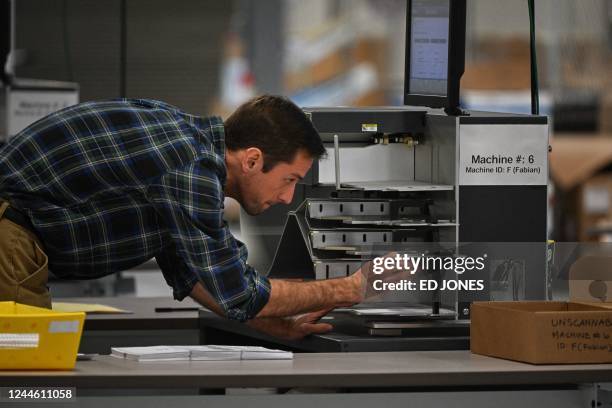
(24, 101)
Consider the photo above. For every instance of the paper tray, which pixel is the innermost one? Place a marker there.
(37, 338)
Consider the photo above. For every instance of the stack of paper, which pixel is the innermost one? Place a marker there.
(212, 352)
(262, 353)
(200, 353)
(152, 353)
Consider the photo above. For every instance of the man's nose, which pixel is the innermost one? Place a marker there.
(287, 196)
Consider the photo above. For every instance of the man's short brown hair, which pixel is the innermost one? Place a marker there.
(276, 126)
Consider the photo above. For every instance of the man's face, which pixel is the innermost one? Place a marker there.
(260, 190)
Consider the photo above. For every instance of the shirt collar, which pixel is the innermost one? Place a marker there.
(214, 131)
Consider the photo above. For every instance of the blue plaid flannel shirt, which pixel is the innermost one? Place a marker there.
(109, 185)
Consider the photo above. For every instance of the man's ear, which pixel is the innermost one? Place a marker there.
(252, 160)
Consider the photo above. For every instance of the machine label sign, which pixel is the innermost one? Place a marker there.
(369, 127)
(25, 107)
(503, 155)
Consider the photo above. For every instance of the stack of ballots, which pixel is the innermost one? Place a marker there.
(199, 353)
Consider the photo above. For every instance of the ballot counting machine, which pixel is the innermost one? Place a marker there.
(428, 179)
(401, 179)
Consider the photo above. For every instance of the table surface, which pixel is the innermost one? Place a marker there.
(352, 370)
(143, 316)
(347, 370)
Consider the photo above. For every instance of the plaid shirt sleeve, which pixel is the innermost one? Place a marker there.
(190, 201)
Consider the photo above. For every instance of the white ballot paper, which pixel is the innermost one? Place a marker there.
(200, 353)
(151, 353)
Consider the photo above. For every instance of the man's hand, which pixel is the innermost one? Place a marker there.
(364, 279)
(292, 328)
(309, 324)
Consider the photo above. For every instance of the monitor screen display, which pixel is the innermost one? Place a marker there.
(429, 47)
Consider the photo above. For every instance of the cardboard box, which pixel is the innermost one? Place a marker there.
(605, 113)
(595, 206)
(328, 67)
(542, 332)
(499, 64)
(580, 165)
(338, 62)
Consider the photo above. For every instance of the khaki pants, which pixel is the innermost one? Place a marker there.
(23, 265)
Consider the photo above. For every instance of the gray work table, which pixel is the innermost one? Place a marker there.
(143, 327)
(216, 330)
(329, 370)
(143, 316)
(360, 380)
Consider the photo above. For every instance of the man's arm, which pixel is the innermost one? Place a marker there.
(292, 328)
(289, 298)
(201, 295)
(201, 249)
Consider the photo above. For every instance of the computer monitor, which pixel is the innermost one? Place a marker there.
(435, 53)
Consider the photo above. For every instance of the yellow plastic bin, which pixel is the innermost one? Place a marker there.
(36, 338)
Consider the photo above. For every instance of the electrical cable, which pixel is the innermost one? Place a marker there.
(535, 98)
(123, 49)
(66, 40)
